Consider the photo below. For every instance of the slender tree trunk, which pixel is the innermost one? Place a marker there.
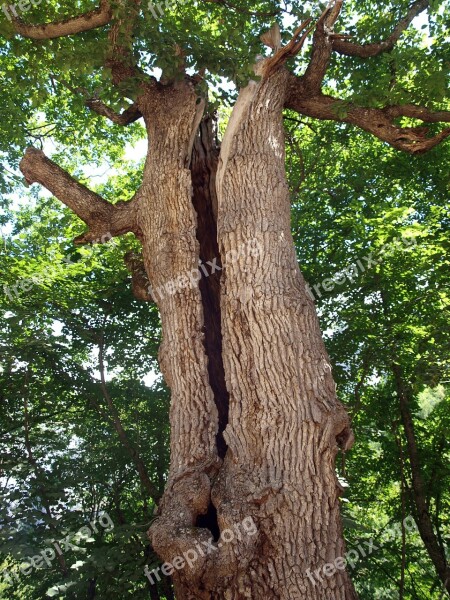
(419, 496)
(40, 474)
(167, 588)
(91, 591)
(153, 590)
(132, 450)
(423, 518)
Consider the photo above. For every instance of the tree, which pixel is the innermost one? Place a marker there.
(63, 458)
(255, 420)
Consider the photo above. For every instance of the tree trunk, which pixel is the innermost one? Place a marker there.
(283, 423)
(423, 517)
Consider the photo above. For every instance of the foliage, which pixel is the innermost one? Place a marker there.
(393, 209)
(62, 461)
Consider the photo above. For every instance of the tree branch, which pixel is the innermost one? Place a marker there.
(120, 55)
(322, 47)
(283, 53)
(417, 112)
(342, 46)
(103, 219)
(378, 121)
(128, 116)
(238, 9)
(90, 20)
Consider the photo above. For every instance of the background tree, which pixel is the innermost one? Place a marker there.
(263, 427)
(64, 459)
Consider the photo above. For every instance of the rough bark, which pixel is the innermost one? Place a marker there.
(255, 422)
(171, 253)
(170, 249)
(285, 423)
(140, 283)
(104, 220)
(377, 121)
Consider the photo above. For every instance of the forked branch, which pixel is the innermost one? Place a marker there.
(90, 20)
(103, 219)
(322, 46)
(378, 121)
(284, 53)
(128, 116)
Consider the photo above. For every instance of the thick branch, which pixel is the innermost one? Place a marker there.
(128, 116)
(103, 219)
(417, 112)
(367, 50)
(377, 121)
(322, 47)
(85, 22)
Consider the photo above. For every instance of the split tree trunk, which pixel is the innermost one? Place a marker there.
(255, 422)
(281, 431)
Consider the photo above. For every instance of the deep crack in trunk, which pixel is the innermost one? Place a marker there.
(278, 432)
(205, 157)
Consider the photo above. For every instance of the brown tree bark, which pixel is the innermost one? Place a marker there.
(255, 421)
(284, 424)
